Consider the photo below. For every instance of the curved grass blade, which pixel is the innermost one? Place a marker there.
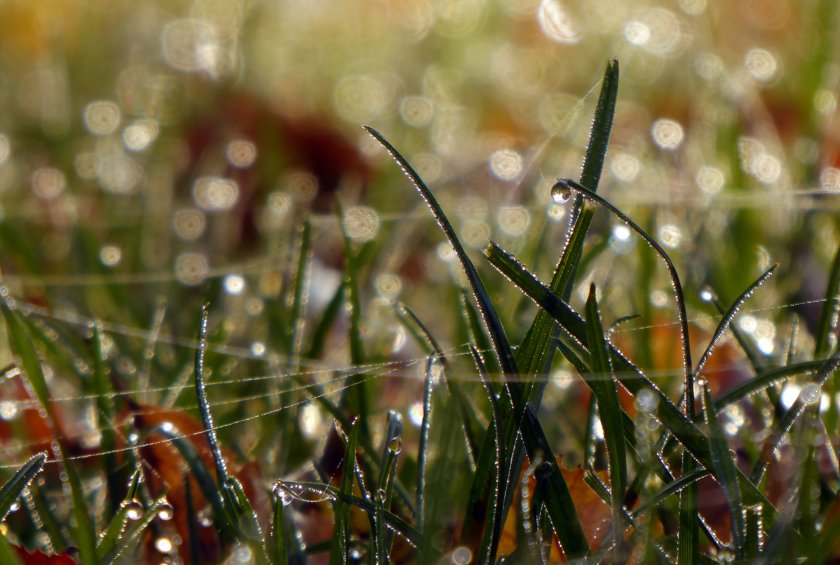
(730, 315)
(600, 380)
(684, 429)
(13, 488)
(340, 548)
(762, 381)
(109, 539)
(810, 394)
(21, 345)
(493, 527)
(387, 471)
(501, 346)
(725, 472)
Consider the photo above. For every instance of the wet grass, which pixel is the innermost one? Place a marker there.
(675, 466)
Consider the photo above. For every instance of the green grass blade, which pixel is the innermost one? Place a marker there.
(726, 321)
(11, 491)
(810, 394)
(725, 472)
(674, 420)
(322, 328)
(107, 412)
(601, 381)
(554, 491)
(762, 381)
(340, 548)
(115, 529)
(827, 325)
(423, 445)
(21, 345)
(203, 404)
(493, 526)
(418, 329)
(279, 547)
(133, 535)
(501, 347)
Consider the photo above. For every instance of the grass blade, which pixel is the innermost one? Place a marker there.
(827, 325)
(493, 527)
(725, 472)
(340, 548)
(501, 347)
(21, 344)
(109, 539)
(423, 444)
(11, 491)
(600, 380)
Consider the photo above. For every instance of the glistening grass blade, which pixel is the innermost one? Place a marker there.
(493, 527)
(423, 444)
(109, 539)
(501, 347)
(725, 472)
(603, 386)
(672, 418)
(11, 491)
(21, 344)
(341, 540)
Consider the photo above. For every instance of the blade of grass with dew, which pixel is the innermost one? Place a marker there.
(688, 434)
(421, 333)
(602, 383)
(725, 472)
(12, 489)
(21, 344)
(500, 345)
(355, 397)
(535, 351)
(340, 547)
(133, 535)
(115, 529)
(385, 484)
(555, 492)
(107, 412)
(496, 522)
(826, 329)
(810, 394)
(423, 444)
(322, 328)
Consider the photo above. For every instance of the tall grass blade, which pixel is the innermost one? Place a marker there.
(133, 535)
(501, 347)
(11, 491)
(341, 541)
(725, 472)
(493, 527)
(600, 381)
(827, 325)
(469, 421)
(423, 445)
(107, 412)
(21, 345)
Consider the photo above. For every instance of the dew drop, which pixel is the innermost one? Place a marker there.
(561, 192)
(163, 544)
(461, 555)
(395, 446)
(281, 493)
(646, 401)
(810, 394)
(133, 509)
(165, 511)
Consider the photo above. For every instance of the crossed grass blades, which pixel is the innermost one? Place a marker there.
(636, 498)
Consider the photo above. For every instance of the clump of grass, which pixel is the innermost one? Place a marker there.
(652, 454)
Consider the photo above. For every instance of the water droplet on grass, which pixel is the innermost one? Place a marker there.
(165, 511)
(561, 192)
(810, 394)
(133, 509)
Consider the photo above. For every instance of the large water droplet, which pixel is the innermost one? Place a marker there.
(561, 192)
(133, 509)
(810, 394)
(165, 511)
